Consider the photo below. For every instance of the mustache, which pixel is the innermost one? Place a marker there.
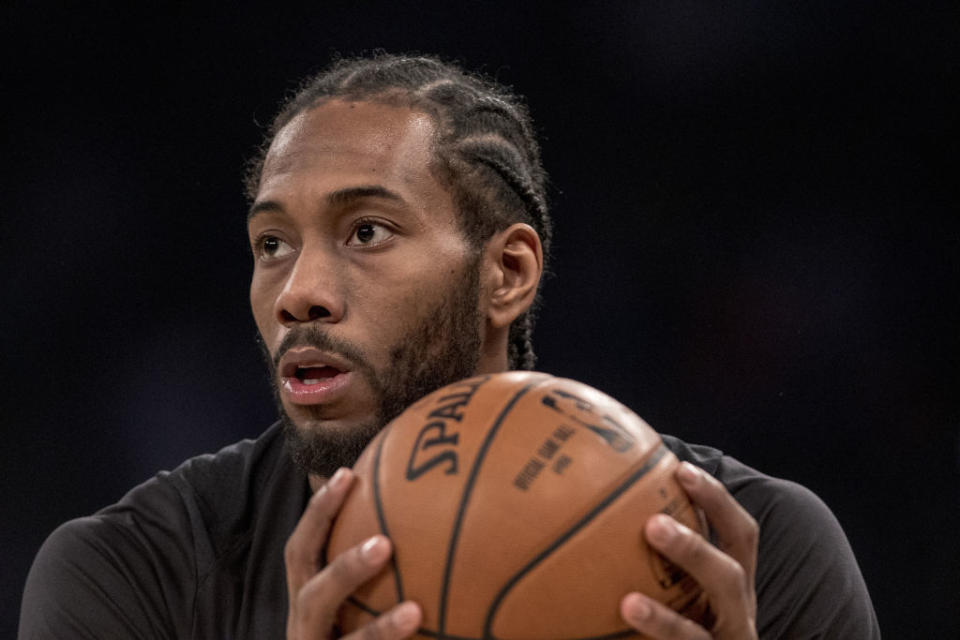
(313, 336)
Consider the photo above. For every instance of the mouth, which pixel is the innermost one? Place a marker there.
(312, 375)
(309, 376)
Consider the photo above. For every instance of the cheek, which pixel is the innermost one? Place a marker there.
(404, 303)
(261, 304)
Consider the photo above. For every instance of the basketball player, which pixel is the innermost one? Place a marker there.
(399, 231)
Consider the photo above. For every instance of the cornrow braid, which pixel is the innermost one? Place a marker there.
(485, 152)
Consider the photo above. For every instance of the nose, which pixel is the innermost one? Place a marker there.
(311, 292)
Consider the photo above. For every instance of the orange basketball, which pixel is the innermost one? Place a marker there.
(515, 504)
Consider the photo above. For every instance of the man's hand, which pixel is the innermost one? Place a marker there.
(315, 594)
(725, 574)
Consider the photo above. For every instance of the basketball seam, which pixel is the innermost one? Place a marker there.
(382, 518)
(556, 544)
(465, 498)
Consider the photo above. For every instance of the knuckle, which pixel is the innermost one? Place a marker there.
(302, 600)
(711, 484)
(751, 532)
(306, 595)
(291, 552)
(733, 576)
(692, 547)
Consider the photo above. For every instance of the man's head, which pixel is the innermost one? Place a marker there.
(397, 220)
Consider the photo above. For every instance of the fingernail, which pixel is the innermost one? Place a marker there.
(662, 529)
(687, 473)
(639, 608)
(406, 614)
(338, 478)
(374, 549)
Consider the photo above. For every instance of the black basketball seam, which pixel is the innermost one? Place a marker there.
(382, 518)
(464, 500)
(440, 633)
(556, 544)
(363, 605)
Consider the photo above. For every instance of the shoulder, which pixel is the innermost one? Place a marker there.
(224, 489)
(808, 581)
(248, 461)
(214, 496)
(138, 564)
(117, 574)
(768, 499)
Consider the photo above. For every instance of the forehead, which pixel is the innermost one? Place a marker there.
(386, 142)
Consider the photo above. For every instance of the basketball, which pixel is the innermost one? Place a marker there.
(515, 503)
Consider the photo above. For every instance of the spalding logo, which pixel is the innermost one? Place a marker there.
(436, 443)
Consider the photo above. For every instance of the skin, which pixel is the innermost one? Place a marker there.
(726, 573)
(363, 269)
(316, 259)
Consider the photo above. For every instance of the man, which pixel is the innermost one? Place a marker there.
(399, 231)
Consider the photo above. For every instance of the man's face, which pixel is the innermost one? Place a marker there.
(364, 290)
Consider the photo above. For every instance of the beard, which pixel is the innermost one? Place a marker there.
(435, 350)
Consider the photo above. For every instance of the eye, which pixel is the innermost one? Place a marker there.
(271, 247)
(368, 233)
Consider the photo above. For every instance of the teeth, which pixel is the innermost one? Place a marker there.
(310, 381)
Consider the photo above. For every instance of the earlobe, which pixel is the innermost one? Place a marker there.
(516, 257)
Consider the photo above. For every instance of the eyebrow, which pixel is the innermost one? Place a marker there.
(338, 198)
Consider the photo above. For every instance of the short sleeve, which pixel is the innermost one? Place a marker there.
(808, 581)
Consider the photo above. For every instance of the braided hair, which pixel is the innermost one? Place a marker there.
(485, 150)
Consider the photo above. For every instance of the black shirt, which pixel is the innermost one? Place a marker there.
(198, 553)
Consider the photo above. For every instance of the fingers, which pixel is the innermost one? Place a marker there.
(315, 594)
(314, 606)
(726, 574)
(737, 531)
(400, 622)
(303, 552)
(659, 622)
(720, 576)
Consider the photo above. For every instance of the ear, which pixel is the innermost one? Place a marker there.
(514, 264)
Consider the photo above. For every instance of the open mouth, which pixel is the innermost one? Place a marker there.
(309, 376)
(315, 375)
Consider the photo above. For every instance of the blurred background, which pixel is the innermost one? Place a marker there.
(757, 242)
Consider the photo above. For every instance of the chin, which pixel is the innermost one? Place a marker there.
(321, 445)
(315, 421)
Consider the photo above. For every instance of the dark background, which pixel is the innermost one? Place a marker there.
(756, 248)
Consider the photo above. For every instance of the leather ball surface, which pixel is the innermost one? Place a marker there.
(515, 504)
